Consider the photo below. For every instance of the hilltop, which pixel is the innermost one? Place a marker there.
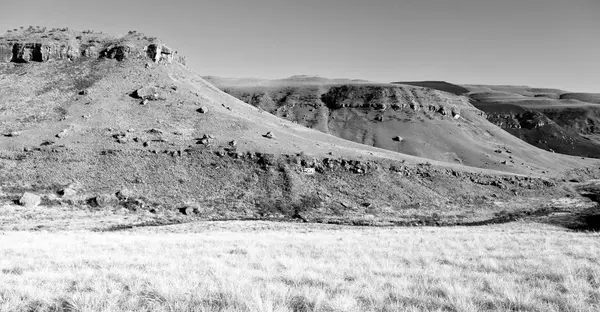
(131, 126)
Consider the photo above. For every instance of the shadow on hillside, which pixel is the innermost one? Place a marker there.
(586, 220)
(151, 223)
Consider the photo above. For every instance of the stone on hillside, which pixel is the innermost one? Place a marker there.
(103, 201)
(30, 200)
(189, 210)
(147, 93)
(62, 134)
(160, 53)
(67, 192)
(207, 139)
(12, 134)
(124, 194)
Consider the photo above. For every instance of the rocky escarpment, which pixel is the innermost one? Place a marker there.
(382, 97)
(42, 46)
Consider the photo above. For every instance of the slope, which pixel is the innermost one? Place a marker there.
(417, 121)
(551, 119)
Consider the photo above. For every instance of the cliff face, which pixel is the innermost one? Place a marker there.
(38, 46)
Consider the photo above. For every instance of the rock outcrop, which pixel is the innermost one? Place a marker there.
(42, 47)
(383, 97)
(30, 200)
(160, 53)
(119, 53)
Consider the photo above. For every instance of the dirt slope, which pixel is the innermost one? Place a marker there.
(79, 120)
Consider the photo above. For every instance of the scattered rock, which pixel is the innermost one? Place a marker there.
(133, 204)
(124, 194)
(30, 200)
(206, 139)
(62, 134)
(147, 93)
(103, 201)
(12, 134)
(189, 210)
(233, 143)
(83, 92)
(144, 102)
(68, 192)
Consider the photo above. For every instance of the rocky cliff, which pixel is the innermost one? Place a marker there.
(35, 45)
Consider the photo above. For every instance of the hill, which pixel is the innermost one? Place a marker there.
(91, 120)
(412, 120)
(551, 119)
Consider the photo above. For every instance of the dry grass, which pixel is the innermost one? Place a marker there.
(260, 266)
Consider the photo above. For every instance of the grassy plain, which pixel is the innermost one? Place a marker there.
(263, 266)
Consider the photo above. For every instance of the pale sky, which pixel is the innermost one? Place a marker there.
(541, 43)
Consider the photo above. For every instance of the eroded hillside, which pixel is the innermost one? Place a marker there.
(552, 119)
(412, 120)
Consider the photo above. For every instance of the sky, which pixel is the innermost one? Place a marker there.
(540, 43)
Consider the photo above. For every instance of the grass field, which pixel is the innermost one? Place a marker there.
(262, 266)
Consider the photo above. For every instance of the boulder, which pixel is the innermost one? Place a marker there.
(134, 204)
(189, 210)
(202, 110)
(160, 53)
(69, 191)
(90, 51)
(30, 200)
(147, 93)
(269, 135)
(124, 194)
(103, 201)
